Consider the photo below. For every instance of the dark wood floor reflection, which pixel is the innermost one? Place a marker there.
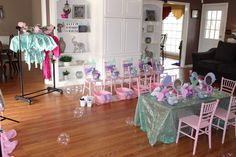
(101, 132)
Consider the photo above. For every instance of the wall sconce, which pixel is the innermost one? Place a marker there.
(1, 12)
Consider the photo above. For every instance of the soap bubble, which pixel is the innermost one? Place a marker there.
(129, 121)
(72, 92)
(63, 139)
(78, 112)
(228, 155)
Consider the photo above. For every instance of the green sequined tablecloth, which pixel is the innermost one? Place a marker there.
(160, 120)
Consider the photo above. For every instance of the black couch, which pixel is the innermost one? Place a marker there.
(221, 61)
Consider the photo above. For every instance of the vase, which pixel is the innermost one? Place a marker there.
(65, 77)
(62, 45)
(66, 64)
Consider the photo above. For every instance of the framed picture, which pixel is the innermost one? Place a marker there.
(194, 13)
(1, 12)
(150, 28)
(79, 11)
(150, 15)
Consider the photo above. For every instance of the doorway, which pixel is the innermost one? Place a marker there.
(213, 23)
(175, 27)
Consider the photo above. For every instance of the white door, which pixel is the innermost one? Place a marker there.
(132, 36)
(213, 23)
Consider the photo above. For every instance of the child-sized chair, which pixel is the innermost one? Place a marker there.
(89, 82)
(201, 124)
(227, 85)
(123, 93)
(142, 85)
(228, 116)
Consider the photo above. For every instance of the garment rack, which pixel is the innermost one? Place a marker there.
(27, 97)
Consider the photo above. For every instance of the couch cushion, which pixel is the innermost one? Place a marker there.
(211, 65)
(227, 69)
(226, 52)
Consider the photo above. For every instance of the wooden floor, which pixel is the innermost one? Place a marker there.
(101, 132)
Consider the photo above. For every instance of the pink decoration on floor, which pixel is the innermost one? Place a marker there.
(124, 93)
(102, 97)
(7, 146)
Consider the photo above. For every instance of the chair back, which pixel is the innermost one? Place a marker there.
(109, 67)
(227, 85)
(207, 112)
(88, 68)
(163, 40)
(142, 85)
(232, 106)
(1, 51)
(126, 67)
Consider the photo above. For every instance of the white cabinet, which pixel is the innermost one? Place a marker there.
(123, 8)
(132, 8)
(132, 35)
(113, 35)
(113, 8)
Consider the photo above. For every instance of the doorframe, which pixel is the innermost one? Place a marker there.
(202, 20)
(184, 29)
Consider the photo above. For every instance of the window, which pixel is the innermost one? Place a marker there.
(173, 28)
(213, 22)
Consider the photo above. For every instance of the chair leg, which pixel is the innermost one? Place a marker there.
(218, 123)
(235, 127)
(195, 141)
(224, 132)
(177, 138)
(84, 87)
(209, 137)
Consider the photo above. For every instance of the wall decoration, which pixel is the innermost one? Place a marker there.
(194, 13)
(83, 28)
(79, 74)
(1, 12)
(79, 47)
(79, 11)
(148, 40)
(150, 15)
(150, 28)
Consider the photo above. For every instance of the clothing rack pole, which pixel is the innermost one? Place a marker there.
(23, 97)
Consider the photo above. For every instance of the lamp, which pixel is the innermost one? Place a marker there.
(67, 8)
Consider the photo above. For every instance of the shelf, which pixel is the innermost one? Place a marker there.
(70, 19)
(72, 53)
(61, 33)
(150, 43)
(150, 32)
(71, 66)
(150, 22)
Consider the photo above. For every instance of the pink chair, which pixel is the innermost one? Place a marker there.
(142, 85)
(126, 65)
(89, 82)
(202, 124)
(226, 116)
(227, 85)
(108, 80)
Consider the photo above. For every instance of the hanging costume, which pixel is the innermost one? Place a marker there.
(36, 48)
